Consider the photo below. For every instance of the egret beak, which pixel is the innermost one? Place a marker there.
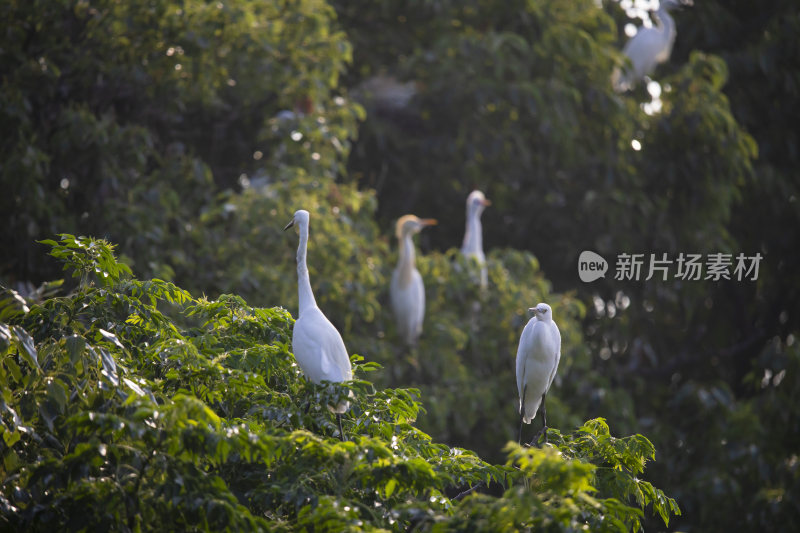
(533, 310)
(428, 221)
(486, 202)
(289, 225)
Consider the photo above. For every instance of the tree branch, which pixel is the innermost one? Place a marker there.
(469, 491)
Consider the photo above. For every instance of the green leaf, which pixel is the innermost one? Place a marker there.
(111, 338)
(109, 366)
(390, 485)
(75, 345)
(57, 391)
(5, 337)
(13, 367)
(10, 437)
(28, 350)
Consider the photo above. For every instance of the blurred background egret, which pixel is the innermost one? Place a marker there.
(407, 289)
(472, 247)
(649, 46)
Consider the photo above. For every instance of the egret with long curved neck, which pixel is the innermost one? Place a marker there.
(407, 290)
(648, 48)
(318, 346)
(473, 235)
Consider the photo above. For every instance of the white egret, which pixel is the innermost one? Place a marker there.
(537, 361)
(473, 235)
(648, 48)
(385, 92)
(318, 346)
(407, 290)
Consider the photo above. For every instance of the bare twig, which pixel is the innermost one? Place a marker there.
(469, 490)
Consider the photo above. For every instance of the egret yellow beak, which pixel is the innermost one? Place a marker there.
(486, 202)
(428, 221)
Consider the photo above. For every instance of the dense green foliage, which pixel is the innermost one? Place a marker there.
(187, 132)
(131, 405)
(126, 119)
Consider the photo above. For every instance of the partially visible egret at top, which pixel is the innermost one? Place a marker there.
(318, 346)
(473, 235)
(537, 362)
(648, 48)
(407, 290)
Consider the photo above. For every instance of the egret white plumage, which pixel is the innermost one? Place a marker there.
(407, 290)
(318, 346)
(473, 235)
(648, 48)
(385, 92)
(537, 362)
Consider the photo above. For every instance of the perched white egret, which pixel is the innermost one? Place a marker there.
(317, 345)
(537, 361)
(648, 48)
(407, 290)
(473, 235)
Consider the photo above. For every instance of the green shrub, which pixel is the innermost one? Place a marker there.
(131, 405)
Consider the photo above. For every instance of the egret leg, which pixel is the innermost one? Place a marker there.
(341, 431)
(544, 417)
(522, 414)
(544, 424)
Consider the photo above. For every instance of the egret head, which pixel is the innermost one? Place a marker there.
(410, 224)
(477, 202)
(542, 312)
(300, 218)
(673, 4)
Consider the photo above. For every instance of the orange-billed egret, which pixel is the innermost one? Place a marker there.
(648, 48)
(537, 361)
(407, 290)
(473, 235)
(317, 345)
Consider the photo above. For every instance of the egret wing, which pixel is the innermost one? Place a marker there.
(408, 304)
(339, 357)
(521, 358)
(319, 349)
(644, 50)
(557, 334)
(419, 312)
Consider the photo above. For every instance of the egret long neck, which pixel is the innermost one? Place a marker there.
(304, 293)
(407, 259)
(665, 21)
(473, 235)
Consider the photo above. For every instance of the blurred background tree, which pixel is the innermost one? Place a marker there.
(188, 132)
(128, 121)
